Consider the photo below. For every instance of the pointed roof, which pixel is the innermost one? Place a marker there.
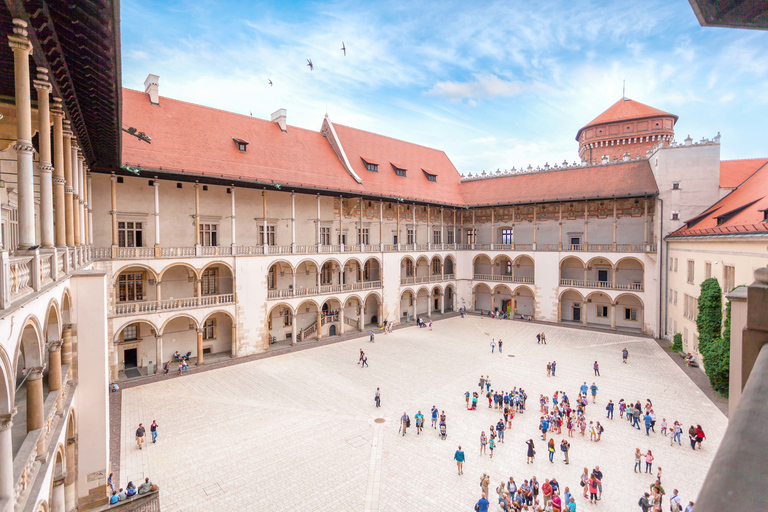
(623, 110)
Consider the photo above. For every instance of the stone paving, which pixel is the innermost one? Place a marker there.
(297, 432)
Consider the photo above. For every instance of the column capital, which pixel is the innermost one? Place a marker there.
(45, 167)
(42, 82)
(158, 336)
(55, 345)
(57, 108)
(113, 177)
(35, 373)
(6, 420)
(24, 147)
(19, 40)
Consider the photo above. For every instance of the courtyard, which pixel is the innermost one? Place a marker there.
(297, 431)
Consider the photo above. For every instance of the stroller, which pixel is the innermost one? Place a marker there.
(443, 435)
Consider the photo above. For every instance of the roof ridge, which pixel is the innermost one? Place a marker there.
(166, 98)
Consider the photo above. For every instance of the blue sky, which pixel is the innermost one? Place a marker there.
(493, 84)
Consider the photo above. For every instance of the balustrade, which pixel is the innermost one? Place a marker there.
(134, 308)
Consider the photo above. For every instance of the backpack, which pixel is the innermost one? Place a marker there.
(602, 429)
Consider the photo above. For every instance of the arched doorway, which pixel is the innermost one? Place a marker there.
(136, 344)
(481, 297)
(572, 307)
(407, 306)
(525, 302)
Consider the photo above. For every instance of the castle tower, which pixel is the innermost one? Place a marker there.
(627, 127)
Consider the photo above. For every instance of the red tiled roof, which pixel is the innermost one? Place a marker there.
(386, 151)
(627, 179)
(734, 172)
(197, 140)
(623, 110)
(740, 212)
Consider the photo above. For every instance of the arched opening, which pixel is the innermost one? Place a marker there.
(353, 311)
(219, 337)
(598, 309)
(407, 269)
(422, 302)
(482, 267)
(307, 278)
(280, 276)
(352, 273)
(448, 270)
(630, 274)
(422, 268)
(572, 307)
(449, 298)
(371, 311)
(503, 268)
(328, 273)
(525, 302)
(178, 281)
(306, 318)
(137, 284)
(436, 269)
(572, 272)
(372, 270)
(136, 345)
(407, 306)
(216, 281)
(279, 323)
(53, 323)
(630, 313)
(30, 387)
(481, 297)
(180, 335)
(599, 273)
(524, 269)
(331, 317)
(503, 301)
(437, 300)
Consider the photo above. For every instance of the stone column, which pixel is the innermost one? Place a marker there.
(35, 411)
(341, 320)
(380, 314)
(317, 224)
(429, 227)
(232, 206)
(586, 226)
(58, 174)
(66, 346)
(645, 222)
(613, 316)
(413, 216)
(381, 225)
(493, 231)
(54, 370)
(57, 495)
(22, 49)
(197, 214)
(584, 312)
(113, 212)
(156, 189)
(234, 340)
(615, 222)
(293, 282)
(514, 235)
(70, 480)
(360, 227)
(294, 321)
(534, 227)
(293, 225)
(319, 325)
(474, 231)
(560, 244)
(397, 227)
(69, 190)
(90, 208)
(264, 220)
(6, 457)
(442, 304)
(46, 184)
(76, 216)
(158, 353)
(83, 199)
(429, 304)
(199, 347)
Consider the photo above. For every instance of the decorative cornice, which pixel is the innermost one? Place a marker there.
(6, 420)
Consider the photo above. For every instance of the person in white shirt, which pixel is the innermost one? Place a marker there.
(675, 502)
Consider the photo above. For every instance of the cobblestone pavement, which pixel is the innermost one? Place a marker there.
(297, 431)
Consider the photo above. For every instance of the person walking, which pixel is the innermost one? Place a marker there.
(419, 422)
(434, 417)
(692, 436)
(592, 485)
(493, 345)
(649, 462)
(404, 421)
(140, 435)
(482, 504)
(699, 435)
(499, 345)
(647, 419)
(459, 458)
(609, 408)
(377, 398)
(485, 481)
(638, 460)
(483, 442)
(544, 338)
(531, 451)
(554, 367)
(624, 355)
(538, 338)
(549, 369)
(675, 503)
(365, 361)
(492, 444)
(585, 481)
(565, 446)
(593, 388)
(153, 430)
(551, 450)
(597, 369)
(482, 383)
(360, 359)
(371, 338)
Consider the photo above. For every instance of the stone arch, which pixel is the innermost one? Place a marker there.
(525, 300)
(65, 306)
(311, 302)
(71, 423)
(449, 265)
(7, 386)
(571, 305)
(407, 267)
(188, 266)
(31, 342)
(601, 260)
(222, 311)
(353, 296)
(332, 261)
(630, 273)
(218, 282)
(449, 297)
(632, 298)
(436, 265)
(130, 322)
(407, 304)
(630, 312)
(598, 307)
(217, 262)
(59, 461)
(422, 300)
(572, 271)
(127, 267)
(481, 297)
(422, 266)
(52, 323)
(42, 505)
(371, 305)
(177, 317)
(355, 259)
(372, 269)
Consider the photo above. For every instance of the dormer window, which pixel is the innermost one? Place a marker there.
(399, 171)
(370, 165)
(241, 144)
(430, 176)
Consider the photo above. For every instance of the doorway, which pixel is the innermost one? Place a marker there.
(602, 276)
(437, 304)
(577, 313)
(130, 357)
(332, 330)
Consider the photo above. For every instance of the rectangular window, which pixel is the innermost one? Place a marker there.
(675, 297)
(729, 278)
(450, 237)
(130, 234)
(470, 236)
(362, 237)
(210, 282)
(675, 215)
(707, 270)
(371, 167)
(430, 177)
(131, 332)
(506, 237)
(675, 264)
(575, 240)
(685, 336)
(342, 239)
(130, 287)
(437, 236)
(676, 185)
(270, 240)
(602, 311)
(209, 330)
(411, 239)
(209, 236)
(690, 275)
(400, 172)
(325, 236)
(670, 295)
(271, 278)
(287, 318)
(630, 314)
(325, 274)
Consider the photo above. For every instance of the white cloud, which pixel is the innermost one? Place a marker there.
(484, 86)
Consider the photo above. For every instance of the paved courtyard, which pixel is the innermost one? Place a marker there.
(296, 431)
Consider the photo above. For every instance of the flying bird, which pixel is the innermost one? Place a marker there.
(270, 82)
(311, 66)
(344, 48)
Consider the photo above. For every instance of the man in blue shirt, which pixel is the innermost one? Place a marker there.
(434, 417)
(593, 387)
(459, 458)
(647, 419)
(584, 389)
(482, 504)
(567, 496)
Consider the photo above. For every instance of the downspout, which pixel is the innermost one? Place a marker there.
(663, 266)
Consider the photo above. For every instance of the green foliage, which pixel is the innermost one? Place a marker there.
(717, 361)
(710, 316)
(727, 324)
(677, 343)
(714, 349)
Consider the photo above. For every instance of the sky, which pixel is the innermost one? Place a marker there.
(495, 85)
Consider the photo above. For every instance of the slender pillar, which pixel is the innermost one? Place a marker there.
(341, 320)
(341, 213)
(493, 231)
(442, 304)
(380, 314)
(560, 244)
(75, 193)
(586, 226)
(35, 412)
(90, 208)
(429, 305)
(113, 211)
(22, 49)
(156, 213)
(54, 369)
(70, 480)
(293, 224)
(158, 353)
(264, 219)
(197, 214)
(317, 224)
(645, 221)
(442, 226)
(199, 347)
(58, 173)
(381, 225)
(232, 206)
(585, 313)
(293, 281)
(514, 214)
(360, 228)
(615, 222)
(413, 216)
(534, 227)
(428, 210)
(6, 457)
(84, 201)
(69, 191)
(474, 231)
(234, 339)
(454, 228)
(66, 346)
(319, 325)
(613, 316)
(397, 228)
(43, 89)
(57, 495)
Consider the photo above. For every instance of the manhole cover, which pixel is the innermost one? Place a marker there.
(510, 355)
(379, 420)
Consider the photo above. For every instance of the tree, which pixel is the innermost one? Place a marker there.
(677, 343)
(714, 349)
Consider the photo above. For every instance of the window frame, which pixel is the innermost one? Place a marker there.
(209, 329)
(134, 232)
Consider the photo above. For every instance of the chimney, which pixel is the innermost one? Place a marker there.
(151, 88)
(280, 117)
